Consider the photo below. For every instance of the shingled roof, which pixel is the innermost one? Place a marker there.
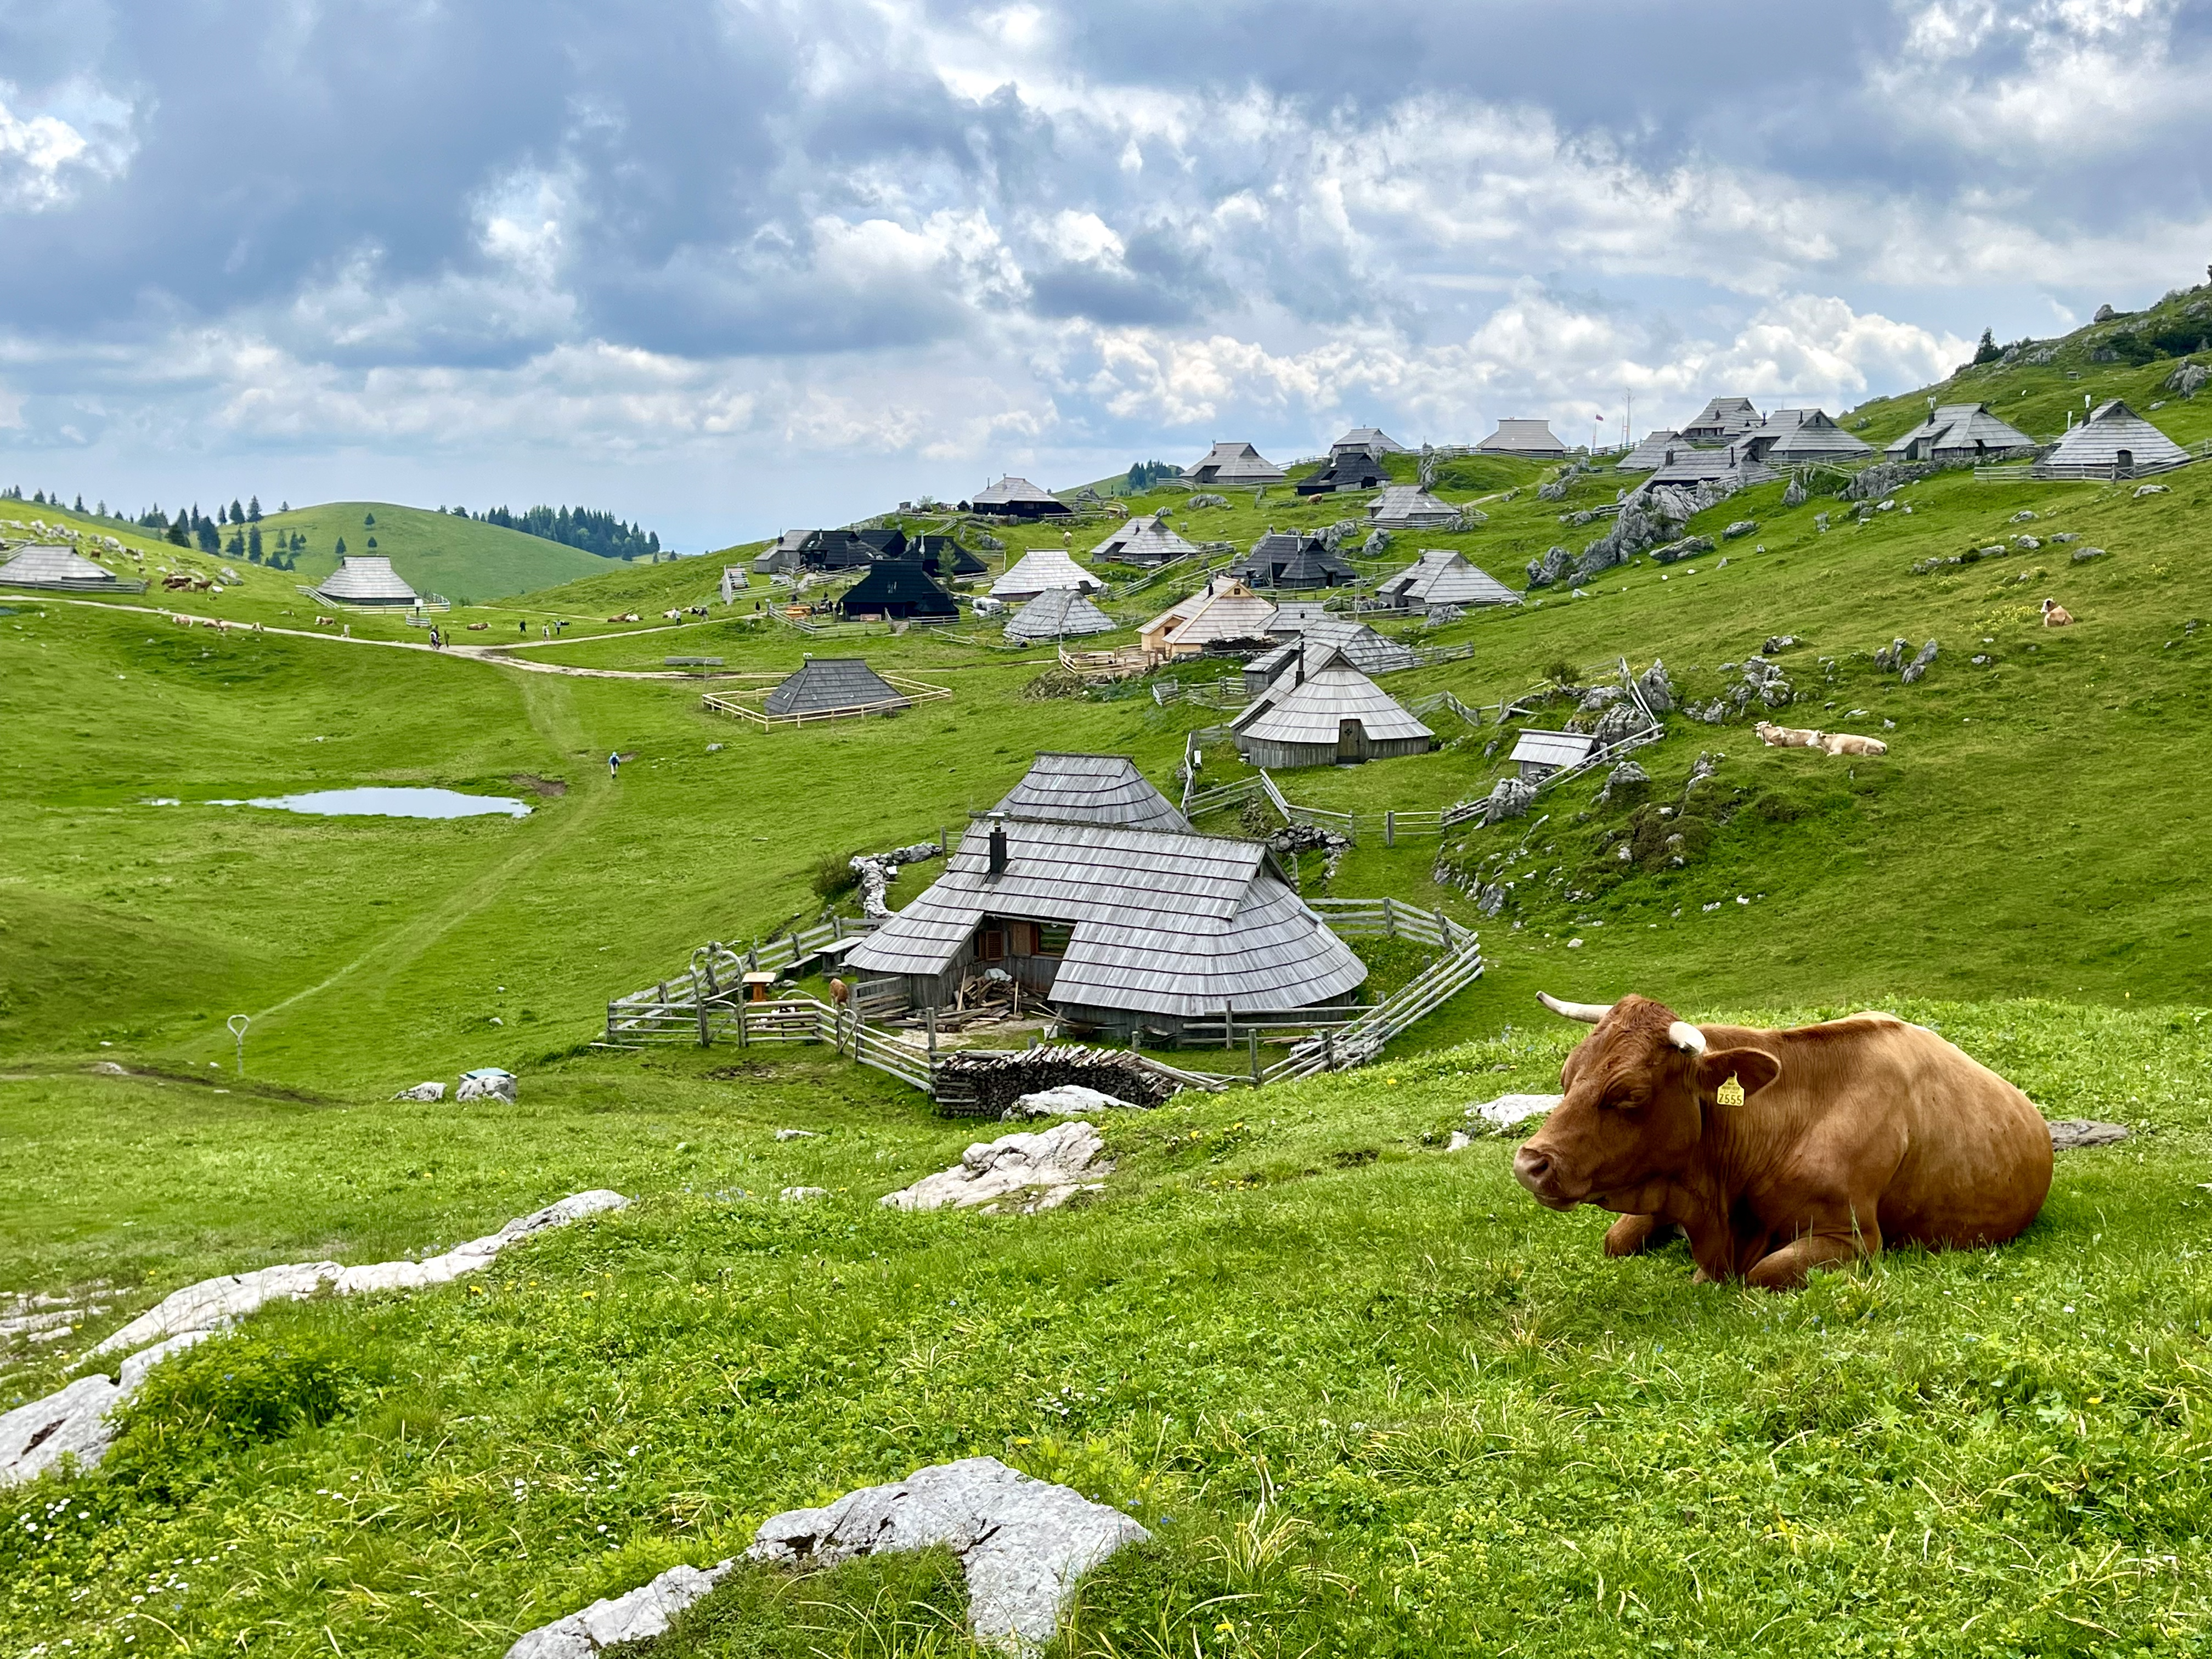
(1224, 609)
(1406, 506)
(1651, 453)
(1523, 437)
(1144, 539)
(1234, 464)
(2112, 430)
(370, 581)
(1285, 558)
(1040, 572)
(1722, 419)
(1441, 576)
(1345, 469)
(828, 684)
(1058, 613)
(1069, 788)
(42, 565)
(1789, 437)
(1160, 923)
(1310, 711)
(1372, 438)
(1018, 497)
(897, 587)
(1962, 431)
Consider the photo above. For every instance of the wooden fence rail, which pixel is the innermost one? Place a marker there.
(910, 692)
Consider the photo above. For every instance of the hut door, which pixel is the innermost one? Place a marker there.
(1351, 743)
(2123, 465)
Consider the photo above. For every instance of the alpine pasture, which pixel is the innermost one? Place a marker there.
(1366, 1395)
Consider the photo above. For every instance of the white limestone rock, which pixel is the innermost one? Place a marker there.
(1023, 1542)
(489, 1083)
(803, 1194)
(1067, 1100)
(423, 1091)
(36, 1436)
(213, 1303)
(1044, 1170)
(1509, 1112)
(647, 1611)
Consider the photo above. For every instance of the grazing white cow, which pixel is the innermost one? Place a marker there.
(1849, 743)
(2056, 614)
(1786, 737)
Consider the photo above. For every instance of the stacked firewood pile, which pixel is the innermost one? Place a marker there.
(985, 1085)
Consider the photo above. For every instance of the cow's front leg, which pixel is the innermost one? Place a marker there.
(1786, 1269)
(1634, 1234)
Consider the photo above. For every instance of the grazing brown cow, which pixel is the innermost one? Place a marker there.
(1850, 742)
(1786, 737)
(1834, 1139)
(2056, 614)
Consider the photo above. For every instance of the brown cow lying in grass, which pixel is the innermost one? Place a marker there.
(1780, 1151)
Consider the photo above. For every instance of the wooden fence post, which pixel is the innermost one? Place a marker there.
(929, 1021)
(705, 1040)
(1389, 917)
(1390, 828)
(741, 1023)
(1228, 1027)
(1328, 1051)
(1254, 1035)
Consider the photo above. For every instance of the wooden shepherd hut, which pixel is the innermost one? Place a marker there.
(1652, 453)
(897, 590)
(1040, 572)
(1344, 470)
(1017, 498)
(1722, 420)
(62, 570)
(1369, 651)
(1222, 610)
(1117, 924)
(1793, 437)
(1144, 540)
(1962, 435)
(1233, 463)
(1293, 559)
(1372, 438)
(2114, 442)
(1540, 754)
(365, 583)
(835, 685)
(1533, 439)
(1441, 577)
(1058, 613)
(1409, 507)
(1333, 715)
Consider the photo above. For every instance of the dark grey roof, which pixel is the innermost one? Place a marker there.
(1009, 490)
(1722, 419)
(1284, 558)
(1065, 788)
(1345, 469)
(1058, 613)
(897, 587)
(828, 683)
(1792, 436)
(1161, 923)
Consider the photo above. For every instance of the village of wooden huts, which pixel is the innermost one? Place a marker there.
(1326, 713)
(1524, 437)
(366, 583)
(1233, 463)
(1016, 498)
(1088, 889)
(1291, 559)
(1344, 470)
(1040, 571)
(1721, 420)
(62, 569)
(1144, 540)
(1793, 437)
(1222, 610)
(1442, 577)
(1318, 640)
(1058, 613)
(2114, 441)
(1962, 435)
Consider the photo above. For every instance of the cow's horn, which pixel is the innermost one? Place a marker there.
(1588, 1012)
(1683, 1034)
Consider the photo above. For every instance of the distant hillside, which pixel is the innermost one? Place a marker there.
(462, 558)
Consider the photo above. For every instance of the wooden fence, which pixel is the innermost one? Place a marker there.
(2108, 472)
(1226, 692)
(910, 693)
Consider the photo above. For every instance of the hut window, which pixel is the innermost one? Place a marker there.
(1053, 937)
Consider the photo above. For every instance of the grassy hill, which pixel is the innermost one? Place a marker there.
(436, 552)
(1367, 1396)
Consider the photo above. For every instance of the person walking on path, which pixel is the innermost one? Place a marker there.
(614, 764)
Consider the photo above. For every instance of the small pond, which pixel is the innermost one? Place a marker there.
(383, 802)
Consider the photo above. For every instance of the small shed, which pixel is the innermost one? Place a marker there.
(1409, 507)
(1531, 438)
(1332, 715)
(1962, 435)
(62, 569)
(1372, 438)
(1040, 572)
(1072, 789)
(1058, 613)
(1441, 577)
(1652, 453)
(1793, 437)
(1018, 498)
(835, 685)
(1369, 651)
(1224, 610)
(1344, 469)
(1540, 754)
(1293, 559)
(365, 582)
(2113, 441)
(1144, 540)
(1233, 463)
(784, 556)
(1722, 419)
(896, 589)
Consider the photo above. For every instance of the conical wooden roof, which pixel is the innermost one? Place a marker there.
(1067, 788)
(1310, 712)
(1055, 614)
(2111, 428)
(831, 683)
(1040, 572)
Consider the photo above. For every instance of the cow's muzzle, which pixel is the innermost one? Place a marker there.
(1535, 1169)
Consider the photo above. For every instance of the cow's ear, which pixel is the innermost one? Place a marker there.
(1752, 1068)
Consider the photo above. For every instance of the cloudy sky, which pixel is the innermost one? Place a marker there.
(725, 268)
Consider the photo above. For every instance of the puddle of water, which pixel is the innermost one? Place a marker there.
(390, 803)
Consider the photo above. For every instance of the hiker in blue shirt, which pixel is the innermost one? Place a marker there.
(614, 764)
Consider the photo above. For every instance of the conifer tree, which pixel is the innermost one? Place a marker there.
(237, 512)
(253, 509)
(340, 549)
(177, 534)
(253, 542)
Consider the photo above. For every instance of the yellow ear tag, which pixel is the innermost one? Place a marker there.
(1729, 1093)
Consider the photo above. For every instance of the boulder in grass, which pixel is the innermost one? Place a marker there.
(645, 1612)
(487, 1083)
(1021, 1542)
(423, 1091)
(1034, 1172)
(1509, 1112)
(1741, 527)
(1068, 1100)
(2071, 1134)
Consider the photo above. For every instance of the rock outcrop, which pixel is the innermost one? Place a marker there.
(1032, 1171)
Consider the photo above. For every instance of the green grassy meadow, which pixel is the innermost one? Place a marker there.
(1369, 1397)
(435, 552)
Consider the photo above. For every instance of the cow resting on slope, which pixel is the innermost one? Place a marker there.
(1847, 1135)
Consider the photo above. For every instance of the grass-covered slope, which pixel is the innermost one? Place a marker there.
(435, 552)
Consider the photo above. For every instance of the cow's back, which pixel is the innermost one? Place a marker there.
(1952, 1152)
